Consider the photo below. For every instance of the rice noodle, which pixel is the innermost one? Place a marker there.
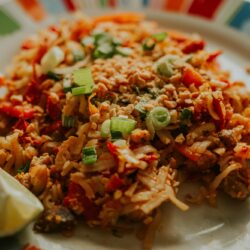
(219, 178)
(68, 70)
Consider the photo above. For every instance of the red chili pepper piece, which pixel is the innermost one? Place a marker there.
(244, 152)
(53, 108)
(79, 31)
(40, 53)
(184, 150)
(193, 46)
(21, 125)
(17, 111)
(57, 125)
(28, 44)
(150, 158)
(212, 56)
(218, 107)
(33, 92)
(191, 76)
(76, 198)
(114, 183)
(54, 29)
(112, 148)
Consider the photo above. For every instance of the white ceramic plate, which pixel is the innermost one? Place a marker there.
(205, 228)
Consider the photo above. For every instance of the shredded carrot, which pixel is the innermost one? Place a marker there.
(126, 17)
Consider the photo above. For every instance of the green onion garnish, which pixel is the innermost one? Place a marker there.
(24, 168)
(101, 38)
(186, 114)
(148, 44)
(105, 50)
(88, 40)
(89, 155)
(78, 55)
(160, 117)
(116, 135)
(124, 125)
(67, 84)
(83, 77)
(116, 41)
(53, 76)
(124, 51)
(150, 126)
(68, 121)
(105, 128)
(140, 108)
(165, 68)
(82, 90)
(159, 37)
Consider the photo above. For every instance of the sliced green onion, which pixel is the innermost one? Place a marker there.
(165, 65)
(82, 90)
(83, 77)
(159, 37)
(105, 128)
(116, 135)
(52, 58)
(140, 108)
(116, 41)
(68, 121)
(137, 90)
(105, 50)
(89, 155)
(78, 55)
(67, 84)
(160, 117)
(124, 125)
(88, 40)
(24, 168)
(186, 114)
(124, 51)
(54, 76)
(101, 38)
(150, 126)
(148, 44)
(165, 68)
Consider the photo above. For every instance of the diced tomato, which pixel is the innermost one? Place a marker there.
(33, 92)
(21, 125)
(193, 46)
(17, 111)
(150, 158)
(112, 148)
(212, 56)
(28, 44)
(114, 183)
(184, 150)
(76, 198)
(53, 108)
(191, 76)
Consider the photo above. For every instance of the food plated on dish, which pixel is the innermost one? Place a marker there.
(107, 117)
